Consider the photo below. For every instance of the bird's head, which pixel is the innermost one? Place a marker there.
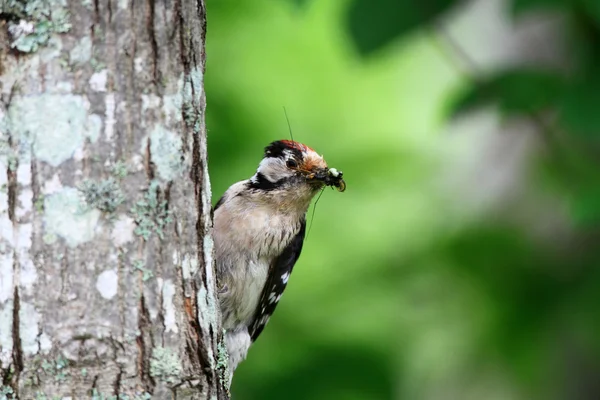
(293, 169)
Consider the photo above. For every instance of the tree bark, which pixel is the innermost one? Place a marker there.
(107, 286)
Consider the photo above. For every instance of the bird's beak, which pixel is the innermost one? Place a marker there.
(317, 175)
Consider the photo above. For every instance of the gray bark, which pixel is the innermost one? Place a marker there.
(107, 287)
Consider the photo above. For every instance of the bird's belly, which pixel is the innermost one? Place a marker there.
(256, 276)
(246, 297)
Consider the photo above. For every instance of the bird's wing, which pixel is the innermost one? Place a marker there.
(279, 273)
(220, 202)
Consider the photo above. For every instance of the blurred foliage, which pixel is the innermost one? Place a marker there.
(571, 96)
(372, 24)
(404, 291)
(516, 92)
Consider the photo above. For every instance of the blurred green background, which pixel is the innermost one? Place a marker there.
(463, 261)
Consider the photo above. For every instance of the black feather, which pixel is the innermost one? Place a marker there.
(276, 149)
(275, 286)
(219, 203)
(262, 183)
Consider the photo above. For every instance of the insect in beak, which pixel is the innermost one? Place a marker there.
(331, 177)
(334, 178)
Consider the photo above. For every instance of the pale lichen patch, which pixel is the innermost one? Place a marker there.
(6, 338)
(79, 154)
(96, 395)
(49, 238)
(151, 214)
(5, 392)
(52, 185)
(82, 52)
(189, 266)
(54, 125)
(207, 317)
(29, 329)
(25, 203)
(66, 216)
(150, 102)
(109, 120)
(165, 147)
(139, 63)
(104, 195)
(62, 88)
(38, 21)
(137, 163)
(6, 277)
(93, 127)
(57, 369)
(24, 173)
(98, 81)
(172, 107)
(168, 307)
(22, 236)
(192, 86)
(119, 170)
(139, 265)
(3, 201)
(25, 196)
(107, 284)
(3, 185)
(50, 51)
(45, 343)
(165, 365)
(223, 361)
(6, 229)
(122, 232)
(28, 272)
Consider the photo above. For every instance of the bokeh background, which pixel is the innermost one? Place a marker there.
(463, 261)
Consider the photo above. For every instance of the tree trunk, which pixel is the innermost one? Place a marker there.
(107, 289)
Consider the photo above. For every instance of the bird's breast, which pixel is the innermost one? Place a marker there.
(254, 230)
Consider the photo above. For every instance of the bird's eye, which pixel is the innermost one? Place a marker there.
(291, 163)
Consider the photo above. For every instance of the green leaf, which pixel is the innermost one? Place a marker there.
(372, 24)
(515, 92)
(579, 111)
(519, 7)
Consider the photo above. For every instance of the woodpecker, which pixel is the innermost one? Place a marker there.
(259, 228)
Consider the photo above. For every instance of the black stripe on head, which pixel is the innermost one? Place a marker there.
(278, 148)
(259, 181)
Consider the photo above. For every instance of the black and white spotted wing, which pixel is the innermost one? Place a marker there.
(279, 273)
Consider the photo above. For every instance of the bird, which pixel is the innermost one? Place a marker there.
(259, 226)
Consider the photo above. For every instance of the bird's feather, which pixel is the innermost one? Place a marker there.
(279, 273)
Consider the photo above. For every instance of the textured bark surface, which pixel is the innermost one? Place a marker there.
(105, 203)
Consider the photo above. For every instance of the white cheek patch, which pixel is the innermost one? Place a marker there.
(273, 169)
